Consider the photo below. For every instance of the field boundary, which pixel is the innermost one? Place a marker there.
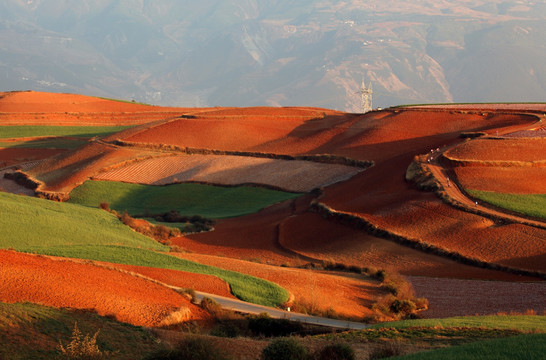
(320, 158)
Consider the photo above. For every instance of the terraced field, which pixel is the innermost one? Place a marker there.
(289, 175)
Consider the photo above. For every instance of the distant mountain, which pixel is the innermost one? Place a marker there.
(276, 52)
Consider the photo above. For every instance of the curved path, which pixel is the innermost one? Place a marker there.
(454, 191)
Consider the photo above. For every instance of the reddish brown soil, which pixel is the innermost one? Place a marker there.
(348, 294)
(434, 223)
(514, 180)
(538, 107)
(11, 156)
(63, 283)
(199, 282)
(509, 149)
(311, 236)
(38, 108)
(249, 130)
(450, 297)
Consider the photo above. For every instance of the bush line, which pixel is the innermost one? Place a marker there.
(320, 158)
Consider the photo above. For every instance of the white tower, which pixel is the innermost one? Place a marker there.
(366, 97)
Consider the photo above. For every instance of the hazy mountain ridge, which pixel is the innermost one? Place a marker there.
(257, 52)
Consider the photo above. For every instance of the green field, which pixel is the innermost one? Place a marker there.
(518, 322)
(526, 204)
(522, 347)
(456, 337)
(14, 132)
(69, 230)
(188, 199)
(30, 331)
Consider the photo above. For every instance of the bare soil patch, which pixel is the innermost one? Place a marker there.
(219, 133)
(63, 283)
(508, 149)
(312, 236)
(457, 297)
(40, 108)
(513, 180)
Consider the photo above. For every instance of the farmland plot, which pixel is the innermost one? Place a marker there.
(290, 175)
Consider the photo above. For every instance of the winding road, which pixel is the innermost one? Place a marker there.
(248, 308)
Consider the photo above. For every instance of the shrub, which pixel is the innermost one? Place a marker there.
(264, 325)
(386, 350)
(194, 348)
(82, 347)
(284, 349)
(211, 306)
(104, 206)
(380, 275)
(337, 351)
(403, 306)
(226, 330)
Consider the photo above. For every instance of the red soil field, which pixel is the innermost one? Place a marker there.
(199, 282)
(510, 149)
(512, 245)
(63, 283)
(241, 133)
(513, 180)
(311, 236)
(537, 107)
(39, 108)
(448, 297)
(348, 294)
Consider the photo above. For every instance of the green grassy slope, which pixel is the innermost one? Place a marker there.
(526, 204)
(30, 331)
(522, 347)
(28, 222)
(518, 322)
(189, 199)
(13, 132)
(69, 230)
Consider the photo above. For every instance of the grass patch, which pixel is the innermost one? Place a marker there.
(519, 322)
(125, 101)
(188, 199)
(524, 347)
(14, 132)
(526, 204)
(60, 229)
(30, 331)
(453, 332)
(27, 222)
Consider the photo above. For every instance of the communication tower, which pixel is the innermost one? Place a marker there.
(366, 97)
